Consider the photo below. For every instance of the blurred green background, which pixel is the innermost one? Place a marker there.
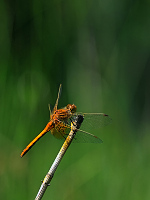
(100, 52)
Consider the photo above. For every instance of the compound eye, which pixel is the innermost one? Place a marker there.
(71, 107)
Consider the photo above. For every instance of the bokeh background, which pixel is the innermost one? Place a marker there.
(100, 52)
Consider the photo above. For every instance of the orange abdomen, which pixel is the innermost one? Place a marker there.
(48, 127)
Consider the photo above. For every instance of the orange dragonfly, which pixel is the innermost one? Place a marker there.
(60, 124)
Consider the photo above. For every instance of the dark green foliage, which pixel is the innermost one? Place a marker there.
(100, 52)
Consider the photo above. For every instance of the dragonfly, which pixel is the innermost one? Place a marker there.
(60, 124)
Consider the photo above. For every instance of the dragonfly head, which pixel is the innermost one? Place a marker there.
(72, 108)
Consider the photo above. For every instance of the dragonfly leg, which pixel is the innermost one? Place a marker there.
(71, 121)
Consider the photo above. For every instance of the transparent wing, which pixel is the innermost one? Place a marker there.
(94, 120)
(63, 128)
(61, 131)
(85, 137)
(59, 94)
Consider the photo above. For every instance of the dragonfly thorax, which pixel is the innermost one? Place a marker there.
(72, 108)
